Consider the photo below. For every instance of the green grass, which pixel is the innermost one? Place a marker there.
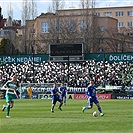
(34, 116)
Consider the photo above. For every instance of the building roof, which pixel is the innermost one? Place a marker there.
(45, 15)
(109, 7)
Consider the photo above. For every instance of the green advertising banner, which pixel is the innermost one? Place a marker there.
(40, 58)
(96, 57)
(21, 59)
(123, 57)
(111, 57)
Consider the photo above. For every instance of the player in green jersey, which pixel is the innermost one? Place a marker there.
(10, 87)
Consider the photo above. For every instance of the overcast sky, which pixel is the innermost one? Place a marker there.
(42, 5)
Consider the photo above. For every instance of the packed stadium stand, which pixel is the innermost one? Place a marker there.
(77, 75)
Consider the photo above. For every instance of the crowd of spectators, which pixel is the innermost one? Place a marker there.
(75, 74)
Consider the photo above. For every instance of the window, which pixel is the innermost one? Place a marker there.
(97, 13)
(83, 25)
(130, 24)
(120, 24)
(45, 27)
(70, 26)
(60, 27)
(119, 14)
(57, 27)
(107, 14)
(130, 13)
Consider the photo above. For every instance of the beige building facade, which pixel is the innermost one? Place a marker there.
(80, 26)
(124, 15)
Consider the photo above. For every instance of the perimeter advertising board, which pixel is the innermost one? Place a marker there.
(75, 51)
(111, 57)
(22, 59)
(100, 96)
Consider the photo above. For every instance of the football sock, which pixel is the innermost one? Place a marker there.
(7, 110)
(100, 110)
(64, 101)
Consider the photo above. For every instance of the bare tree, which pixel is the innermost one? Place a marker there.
(81, 28)
(25, 11)
(42, 40)
(19, 44)
(115, 41)
(56, 5)
(125, 40)
(69, 30)
(33, 9)
(29, 12)
(111, 41)
(87, 24)
(66, 29)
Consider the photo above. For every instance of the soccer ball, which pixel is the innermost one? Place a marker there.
(95, 114)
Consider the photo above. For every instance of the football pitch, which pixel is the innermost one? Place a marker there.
(35, 116)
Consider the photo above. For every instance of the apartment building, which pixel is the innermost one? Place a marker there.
(67, 28)
(75, 26)
(124, 15)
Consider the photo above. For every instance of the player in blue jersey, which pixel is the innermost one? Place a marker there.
(56, 96)
(91, 94)
(63, 90)
(10, 87)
